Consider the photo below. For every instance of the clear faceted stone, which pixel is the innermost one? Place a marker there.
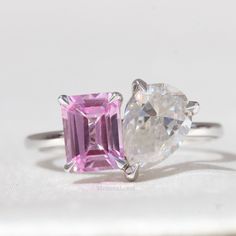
(155, 124)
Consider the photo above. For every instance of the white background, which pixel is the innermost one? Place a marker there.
(48, 48)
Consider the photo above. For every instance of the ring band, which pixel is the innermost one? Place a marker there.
(200, 131)
(158, 118)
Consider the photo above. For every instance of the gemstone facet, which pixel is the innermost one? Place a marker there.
(156, 122)
(92, 131)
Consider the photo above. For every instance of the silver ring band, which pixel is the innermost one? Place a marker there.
(203, 131)
(200, 131)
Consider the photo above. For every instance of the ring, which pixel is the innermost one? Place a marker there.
(157, 120)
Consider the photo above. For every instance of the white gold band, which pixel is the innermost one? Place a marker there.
(200, 131)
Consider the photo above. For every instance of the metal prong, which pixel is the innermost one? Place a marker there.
(132, 172)
(64, 100)
(122, 163)
(138, 85)
(116, 96)
(69, 167)
(193, 107)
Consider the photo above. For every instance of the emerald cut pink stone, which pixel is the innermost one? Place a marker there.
(93, 131)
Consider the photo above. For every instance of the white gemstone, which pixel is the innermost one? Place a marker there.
(155, 123)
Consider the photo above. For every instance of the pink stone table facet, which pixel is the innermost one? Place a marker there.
(93, 131)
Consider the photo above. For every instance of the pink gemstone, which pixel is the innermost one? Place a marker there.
(93, 131)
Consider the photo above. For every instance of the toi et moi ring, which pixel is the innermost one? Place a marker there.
(158, 118)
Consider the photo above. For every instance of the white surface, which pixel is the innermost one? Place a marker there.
(48, 48)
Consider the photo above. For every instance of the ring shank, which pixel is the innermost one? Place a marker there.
(200, 131)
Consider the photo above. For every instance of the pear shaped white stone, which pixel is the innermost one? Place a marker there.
(156, 122)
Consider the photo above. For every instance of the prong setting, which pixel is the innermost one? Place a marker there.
(132, 172)
(116, 96)
(64, 100)
(122, 164)
(193, 107)
(70, 167)
(140, 107)
(139, 85)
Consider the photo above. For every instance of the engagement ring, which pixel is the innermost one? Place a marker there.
(157, 119)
